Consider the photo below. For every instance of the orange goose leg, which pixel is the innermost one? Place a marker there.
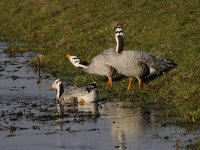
(109, 82)
(139, 83)
(130, 84)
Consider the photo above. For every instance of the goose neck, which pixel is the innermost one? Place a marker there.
(60, 91)
(120, 43)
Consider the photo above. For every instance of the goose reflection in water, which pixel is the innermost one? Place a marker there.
(91, 108)
(85, 111)
(127, 125)
(125, 128)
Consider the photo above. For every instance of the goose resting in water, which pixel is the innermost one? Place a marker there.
(97, 66)
(134, 63)
(74, 95)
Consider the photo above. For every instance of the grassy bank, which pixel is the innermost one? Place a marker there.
(86, 27)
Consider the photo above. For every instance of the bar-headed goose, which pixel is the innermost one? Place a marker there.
(135, 63)
(97, 66)
(74, 95)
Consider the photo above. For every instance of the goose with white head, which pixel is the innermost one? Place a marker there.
(74, 95)
(97, 66)
(135, 63)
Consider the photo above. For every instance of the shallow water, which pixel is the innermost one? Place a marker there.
(29, 118)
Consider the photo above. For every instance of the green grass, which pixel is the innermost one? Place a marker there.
(85, 28)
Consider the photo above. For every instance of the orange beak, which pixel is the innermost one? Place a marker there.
(69, 56)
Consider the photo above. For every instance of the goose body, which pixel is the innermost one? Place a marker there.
(135, 63)
(97, 66)
(127, 59)
(74, 95)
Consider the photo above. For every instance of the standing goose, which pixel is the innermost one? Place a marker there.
(97, 66)
(135, 63)
(74, 95)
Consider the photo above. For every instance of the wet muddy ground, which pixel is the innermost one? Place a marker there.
(29, 117)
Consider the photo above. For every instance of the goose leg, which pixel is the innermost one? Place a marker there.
(130, 84)
(139, 83)
(109, 82)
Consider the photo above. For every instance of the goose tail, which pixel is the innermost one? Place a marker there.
(166, 61)
(90, 87)
(169, 61)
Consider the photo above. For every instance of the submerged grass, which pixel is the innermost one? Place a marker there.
(85, 28)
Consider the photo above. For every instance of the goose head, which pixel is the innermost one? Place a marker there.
(57, 85)
(76, 61)
(119, 36)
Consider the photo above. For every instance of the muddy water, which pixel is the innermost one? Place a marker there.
(29, 118)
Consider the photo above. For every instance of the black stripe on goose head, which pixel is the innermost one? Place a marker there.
(118, 29)
(56, 81)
